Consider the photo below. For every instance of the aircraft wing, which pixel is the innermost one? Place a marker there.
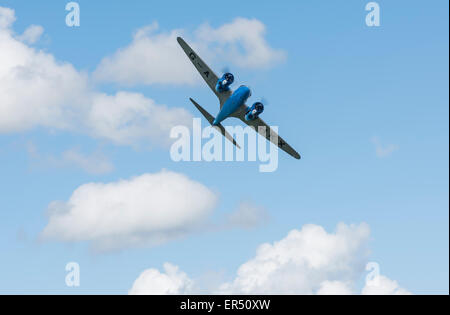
(268, 134)
(207, 74)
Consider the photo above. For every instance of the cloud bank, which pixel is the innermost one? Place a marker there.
(92, 163)
(155, 57)
(171, 281)
(149, 209)
(36, 90)
(306, 261)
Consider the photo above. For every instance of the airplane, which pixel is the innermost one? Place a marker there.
(232, 103)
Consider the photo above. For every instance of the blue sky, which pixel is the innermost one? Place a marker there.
(342, 88)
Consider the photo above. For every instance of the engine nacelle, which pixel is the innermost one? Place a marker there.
(223, 84)
(254, 111)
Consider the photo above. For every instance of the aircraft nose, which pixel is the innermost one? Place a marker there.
(248, 93)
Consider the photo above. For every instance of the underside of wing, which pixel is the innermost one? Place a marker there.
(263, 129)
(207, 74)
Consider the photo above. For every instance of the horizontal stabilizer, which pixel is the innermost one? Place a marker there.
(210, 119)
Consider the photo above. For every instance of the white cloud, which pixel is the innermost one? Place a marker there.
(303, 260)
(382, 285)
(32, 34)
(150, 58)
(155, 57)
(7, 17)
(151, 281)
(127, 118)
(248, 215)
(93, 163)
(306, 261)
(383, 151)
(334, 288)
(145, 210)
(241, 42)
(38, 91)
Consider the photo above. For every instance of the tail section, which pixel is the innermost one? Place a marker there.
(219, 126)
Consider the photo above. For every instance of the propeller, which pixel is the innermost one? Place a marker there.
(225, 69)
(264, 101)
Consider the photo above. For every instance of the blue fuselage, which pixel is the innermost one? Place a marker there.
(236, 100)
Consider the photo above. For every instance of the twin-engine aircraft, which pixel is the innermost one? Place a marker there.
(232, 104)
